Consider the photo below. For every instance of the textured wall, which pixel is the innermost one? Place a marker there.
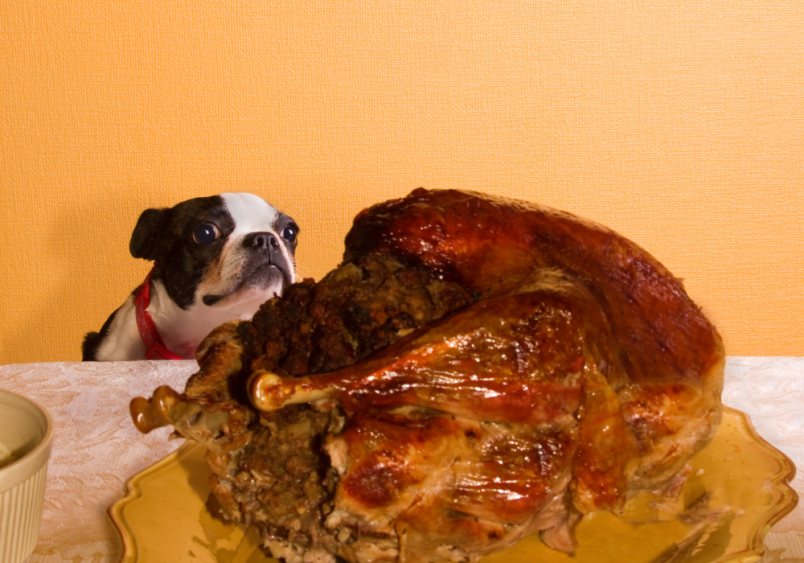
(679, 124)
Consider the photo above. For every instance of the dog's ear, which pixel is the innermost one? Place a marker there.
(143, 240)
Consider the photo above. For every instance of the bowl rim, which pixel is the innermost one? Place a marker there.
(25, 467)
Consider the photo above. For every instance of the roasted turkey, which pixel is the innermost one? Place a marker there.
(477, 369)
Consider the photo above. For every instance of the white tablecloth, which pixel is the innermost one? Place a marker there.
(97, 447)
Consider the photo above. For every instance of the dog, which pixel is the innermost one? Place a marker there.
(216, 259)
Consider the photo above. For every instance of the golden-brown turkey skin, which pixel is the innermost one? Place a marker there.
(491, 244)
(665, 377)
(441, 481)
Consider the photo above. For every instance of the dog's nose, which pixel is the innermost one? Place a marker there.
(267, 241)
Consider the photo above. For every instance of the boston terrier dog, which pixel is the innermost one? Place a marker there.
(216, 259)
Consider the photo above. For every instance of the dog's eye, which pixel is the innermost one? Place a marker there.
(206, 233)
(289, 232)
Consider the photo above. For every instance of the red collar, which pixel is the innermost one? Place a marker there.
(155, 348)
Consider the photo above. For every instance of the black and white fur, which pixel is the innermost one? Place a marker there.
(216, 259)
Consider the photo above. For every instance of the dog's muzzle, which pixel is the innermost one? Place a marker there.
(265, 265)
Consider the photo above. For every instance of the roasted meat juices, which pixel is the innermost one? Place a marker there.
(477, 369)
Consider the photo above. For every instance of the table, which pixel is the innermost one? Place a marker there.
(97, 447)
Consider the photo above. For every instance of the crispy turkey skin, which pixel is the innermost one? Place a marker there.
(477, 369)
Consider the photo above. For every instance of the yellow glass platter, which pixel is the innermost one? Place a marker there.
(737, 489)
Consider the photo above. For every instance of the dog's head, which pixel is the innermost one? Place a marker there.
(226, 251)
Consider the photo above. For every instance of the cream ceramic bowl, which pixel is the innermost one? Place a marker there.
(26, 429)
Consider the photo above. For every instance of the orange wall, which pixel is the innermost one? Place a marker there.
(679, 124)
